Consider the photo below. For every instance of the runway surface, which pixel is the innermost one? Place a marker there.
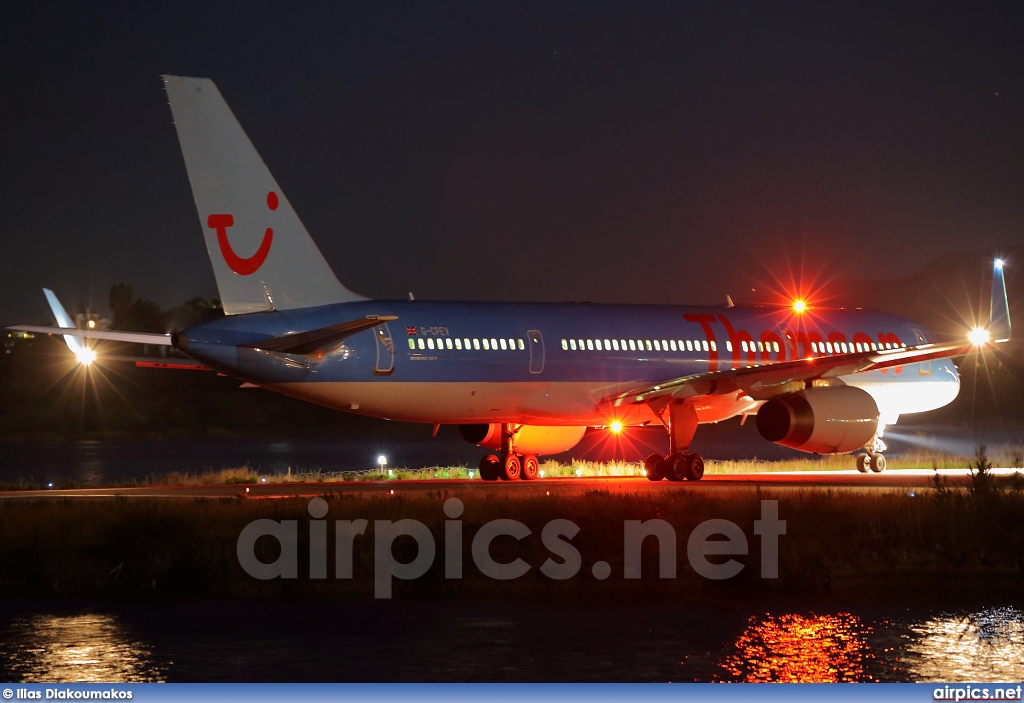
(843, 480)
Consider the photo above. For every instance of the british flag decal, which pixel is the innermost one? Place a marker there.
(411, 331)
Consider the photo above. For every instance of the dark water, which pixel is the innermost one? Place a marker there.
(494, 641)
(91, 463)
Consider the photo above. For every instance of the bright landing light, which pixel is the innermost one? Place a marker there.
(382, 460)
(999, 263)
(799, 306)
(978, 336)
(85, 356)
(615, 427)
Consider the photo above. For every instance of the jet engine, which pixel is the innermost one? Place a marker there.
(529, 439)
(820, 420)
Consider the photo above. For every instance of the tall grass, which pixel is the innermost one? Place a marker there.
(1003, 456)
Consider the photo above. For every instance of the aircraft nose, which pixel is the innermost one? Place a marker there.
(179, 340)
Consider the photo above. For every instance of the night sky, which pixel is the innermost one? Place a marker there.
(666, 153)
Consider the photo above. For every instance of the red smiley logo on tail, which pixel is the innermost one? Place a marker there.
(243, 267)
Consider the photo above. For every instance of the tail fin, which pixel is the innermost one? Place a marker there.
(263, 257)
(999, 312)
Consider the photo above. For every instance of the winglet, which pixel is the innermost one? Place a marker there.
(75, 344)
(999, 312)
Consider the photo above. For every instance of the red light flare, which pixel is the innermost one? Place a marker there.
(798, 289)
(628, 444)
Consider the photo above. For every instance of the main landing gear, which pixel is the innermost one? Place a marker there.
(510, 466)
(872, 460)
(680, 464)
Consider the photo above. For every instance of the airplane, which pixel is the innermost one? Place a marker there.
(528, 379)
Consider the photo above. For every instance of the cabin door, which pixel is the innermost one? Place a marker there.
(385, 365)
(536, 342)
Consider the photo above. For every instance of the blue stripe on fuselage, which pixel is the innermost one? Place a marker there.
(216, 342)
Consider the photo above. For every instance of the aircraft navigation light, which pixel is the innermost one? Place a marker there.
(998, 263)
(382, 461)
(799, 306)
(92, 324)
(615, 427)
(978, 336)
(85, 356)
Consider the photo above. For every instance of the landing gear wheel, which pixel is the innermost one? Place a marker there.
(676, 466)
(863, 463)
(512, 468)
(489, 467)
(694, 467)
(877, 463)
(651, 467)
(531, 467)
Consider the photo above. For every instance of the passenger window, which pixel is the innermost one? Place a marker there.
(565, 344)
(622, 343)
(519, 343)
(657, 347)
(672, 344)
(664, 345)
(476, 343)
(760, 347)
(728, 346)
(412, 343)
(420, 343)
(465, 342)
(458, 343)
(486, 345)
(430, 342)
(607, 345)
(494, 344)
(597, 343)
(580, 342)
(572, 344)
(689, 345)
(448, 342)
(775, 345)
(504, 344)
(632, 345)
(828, 345)
(705, 344)
(615, 344)
(743, 345)
(590, 344)
(647, 343)
(814, 347)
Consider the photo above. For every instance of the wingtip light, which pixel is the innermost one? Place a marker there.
(978, 336)
(85, 356)
(799, 306)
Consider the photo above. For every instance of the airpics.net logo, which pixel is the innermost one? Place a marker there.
(711, 538)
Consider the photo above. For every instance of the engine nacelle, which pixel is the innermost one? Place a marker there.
(530, 439)
(820, 420)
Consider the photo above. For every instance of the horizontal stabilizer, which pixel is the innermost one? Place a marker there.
(135, 337)
(999, 312)
(309, 342)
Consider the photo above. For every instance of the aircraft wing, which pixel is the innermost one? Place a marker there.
(136, 337)
(762, 381)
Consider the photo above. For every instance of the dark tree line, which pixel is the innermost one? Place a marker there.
(132, 314)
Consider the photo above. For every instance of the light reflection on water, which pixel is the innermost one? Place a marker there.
(983, 646)
(83, 648)
(344, 642)
(795, 648)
